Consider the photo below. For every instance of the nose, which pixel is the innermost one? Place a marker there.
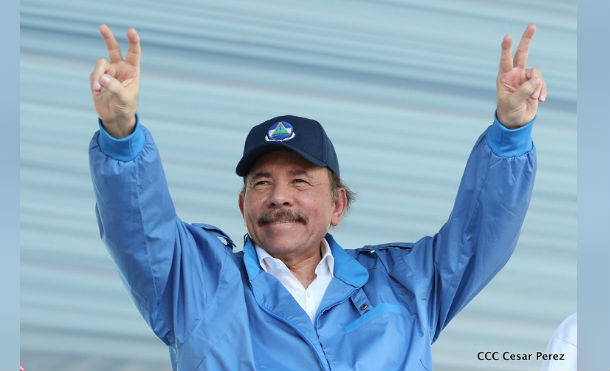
(281, 195)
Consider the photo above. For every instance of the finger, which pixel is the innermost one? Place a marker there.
(133, 53)
(101, 66)
(112, 71)
(532, 73)
(524, 46)
(506, 58)
(127, 82)
(114, 50)
(536, 93)
(526, 90)
(112, 85)
(543, 92)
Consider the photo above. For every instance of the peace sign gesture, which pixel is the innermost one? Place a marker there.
(519, 89)
(115, 84)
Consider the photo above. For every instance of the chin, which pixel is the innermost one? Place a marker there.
(281, 232)
(280, 246)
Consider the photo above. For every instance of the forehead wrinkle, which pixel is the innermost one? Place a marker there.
(299, 172)
(289, 163)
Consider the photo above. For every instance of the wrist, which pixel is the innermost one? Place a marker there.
(122, 149)
(506, 142)
(506, 121)
(120, 128)
(513, 119)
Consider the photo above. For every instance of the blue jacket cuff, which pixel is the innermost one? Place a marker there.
(506, 142)
(124, 149)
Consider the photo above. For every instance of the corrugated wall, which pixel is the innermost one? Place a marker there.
(404, 88)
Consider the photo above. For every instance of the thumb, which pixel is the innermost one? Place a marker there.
(112, 85)
(527, 89)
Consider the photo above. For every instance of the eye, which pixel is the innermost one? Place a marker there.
(259, 183)
(300, 181)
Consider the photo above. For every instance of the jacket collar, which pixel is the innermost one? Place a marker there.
(346, 269)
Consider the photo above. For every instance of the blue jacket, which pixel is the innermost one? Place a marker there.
(218, 310)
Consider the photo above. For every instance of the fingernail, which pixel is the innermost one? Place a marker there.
(543, 98)
(96, 85)
(105, 79)
(536, 95)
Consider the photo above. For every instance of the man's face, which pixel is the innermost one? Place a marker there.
(288, 205)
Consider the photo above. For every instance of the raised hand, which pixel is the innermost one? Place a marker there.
(114, 85)
(519, 89)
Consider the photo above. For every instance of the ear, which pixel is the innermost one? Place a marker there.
(241, 204)
(339, 207)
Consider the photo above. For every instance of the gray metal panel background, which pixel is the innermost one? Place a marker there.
(403, 88)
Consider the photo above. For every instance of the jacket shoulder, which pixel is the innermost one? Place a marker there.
(222, 236)
(388, 254)
(404, 246)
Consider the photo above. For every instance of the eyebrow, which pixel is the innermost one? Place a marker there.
(264, 174)
(258, 176)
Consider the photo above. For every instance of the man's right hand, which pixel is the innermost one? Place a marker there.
(114, 85)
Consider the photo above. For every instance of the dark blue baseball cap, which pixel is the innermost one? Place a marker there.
(304, 136)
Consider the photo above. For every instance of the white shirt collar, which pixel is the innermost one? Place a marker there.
(308, 298)
(277, 267)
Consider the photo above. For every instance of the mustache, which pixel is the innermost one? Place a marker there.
(282, 215)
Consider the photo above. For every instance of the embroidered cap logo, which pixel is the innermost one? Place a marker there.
(279, 132)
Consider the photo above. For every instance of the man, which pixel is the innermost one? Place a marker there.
(293, 298)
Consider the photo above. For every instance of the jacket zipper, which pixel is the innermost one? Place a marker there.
(296, 329)
(332, 305)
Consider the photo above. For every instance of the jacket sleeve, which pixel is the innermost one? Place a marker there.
(447, 270)
(169, 267)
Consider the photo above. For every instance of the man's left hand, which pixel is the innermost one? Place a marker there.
(519, 89)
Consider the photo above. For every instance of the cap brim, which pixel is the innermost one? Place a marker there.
(246, 162)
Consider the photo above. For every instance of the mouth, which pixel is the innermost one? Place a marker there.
(281, 222)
